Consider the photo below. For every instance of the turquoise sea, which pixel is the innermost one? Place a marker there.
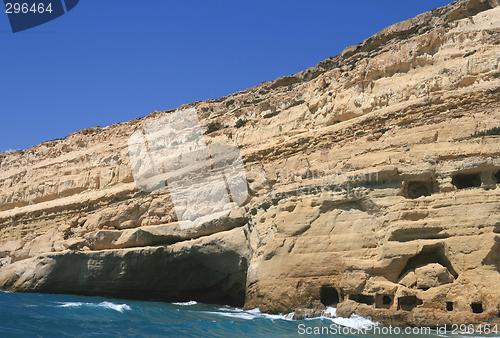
(47, 315)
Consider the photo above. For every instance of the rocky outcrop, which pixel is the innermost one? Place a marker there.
(211, 269)
(373, 185)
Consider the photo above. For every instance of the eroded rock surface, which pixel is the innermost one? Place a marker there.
(373, 179)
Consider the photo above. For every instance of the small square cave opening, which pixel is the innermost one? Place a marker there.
(363, 299)
(407, 303)
(476, 307)
(383, 301)
(464, 181)
(416, 189)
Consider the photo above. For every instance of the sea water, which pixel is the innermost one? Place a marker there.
(48, 315)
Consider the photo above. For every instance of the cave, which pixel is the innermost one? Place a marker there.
(493, 257)
(407, 303)
(363, 299)
(449, 306)
(464, 181)
(416, 189)
(211, 276)
(429, 254)
(497, 176)
(477, 307)
(383, 301)
(329, 295)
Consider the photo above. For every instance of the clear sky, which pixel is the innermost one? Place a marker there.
(109, 61)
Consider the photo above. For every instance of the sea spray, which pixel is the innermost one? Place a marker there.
(104, 305)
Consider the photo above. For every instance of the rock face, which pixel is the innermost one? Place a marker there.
(373, 179)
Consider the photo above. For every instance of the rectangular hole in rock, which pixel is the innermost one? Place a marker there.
(407, 303)
(497, 176)
(449, 306)
(416, 189)
(477, 307)
(464, 181)
(383, 301)
(363, 299)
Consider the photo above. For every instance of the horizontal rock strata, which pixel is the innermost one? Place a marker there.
(373, 186)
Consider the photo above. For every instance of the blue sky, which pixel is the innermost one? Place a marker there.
(109, 61)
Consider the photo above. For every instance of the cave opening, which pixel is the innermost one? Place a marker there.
(329, 295)
(477, 307)
(429, 254)
(407, 303)
(416, 189)
(464, 181)
(493, 257)
(363, 299)
(449, 306)
(383, 301)
(497, 176)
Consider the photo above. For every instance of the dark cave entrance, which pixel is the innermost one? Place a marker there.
(407, 303)
(497, 176)
(416, 189)
(383, 301)
(429, 254)
(329, 296)
(493, 257)
(464, 181)
(449, 306)
(477, 307)
(363, 299)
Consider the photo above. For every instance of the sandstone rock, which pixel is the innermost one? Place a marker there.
(379, 180)
(432, 275)
(409, 279)
(211, 269)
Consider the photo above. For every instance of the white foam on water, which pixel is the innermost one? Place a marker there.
(249, 314)
(71, 304)
(354, 321)
(239, 315)
(256, 312)
(191, 302)
(116, 307)
(331, 311)
(106, 305)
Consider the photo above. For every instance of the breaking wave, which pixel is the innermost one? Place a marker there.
(191, 302)
(49, 315)
(330, 314)
(106, 305)
(354, 321)
(248, 314)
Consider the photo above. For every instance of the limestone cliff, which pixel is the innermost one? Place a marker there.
(373, 184)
